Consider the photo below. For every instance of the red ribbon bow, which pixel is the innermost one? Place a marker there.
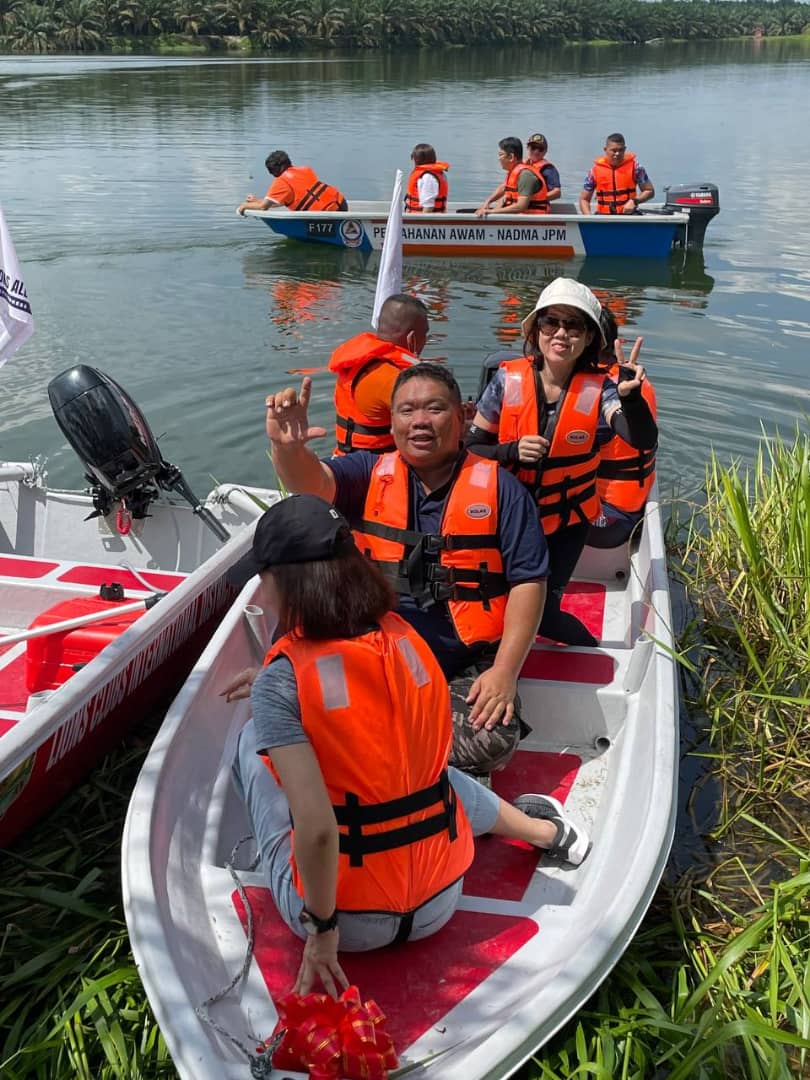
(334, 1039)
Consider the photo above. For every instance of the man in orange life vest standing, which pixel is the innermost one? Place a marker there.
(294, 186)
(427, 184)
(524, 191)
(458, 538)
(620, 183)
(367, 367)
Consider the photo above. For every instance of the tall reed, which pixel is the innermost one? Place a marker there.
(717, 983)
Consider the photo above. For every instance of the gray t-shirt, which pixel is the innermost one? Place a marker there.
(276, 711)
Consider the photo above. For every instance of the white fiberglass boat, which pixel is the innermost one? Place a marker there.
(530, 941)
(78, 668)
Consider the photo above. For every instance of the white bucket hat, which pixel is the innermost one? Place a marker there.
(574, 294)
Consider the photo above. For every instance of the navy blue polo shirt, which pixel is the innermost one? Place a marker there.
(521, 541)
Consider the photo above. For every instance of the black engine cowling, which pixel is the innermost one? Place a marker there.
(116, 445)
(700, 201)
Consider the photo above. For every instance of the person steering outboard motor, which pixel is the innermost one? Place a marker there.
(116, 446)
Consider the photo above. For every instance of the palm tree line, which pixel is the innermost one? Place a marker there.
(27, 26)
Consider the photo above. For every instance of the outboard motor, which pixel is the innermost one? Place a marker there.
(114, 442)
(701, 202)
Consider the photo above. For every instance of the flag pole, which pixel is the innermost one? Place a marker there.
(389, 278)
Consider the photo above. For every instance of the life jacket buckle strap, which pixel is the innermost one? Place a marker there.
(354, 817)
(433, 543)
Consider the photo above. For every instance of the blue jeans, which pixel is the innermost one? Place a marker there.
(269, 814)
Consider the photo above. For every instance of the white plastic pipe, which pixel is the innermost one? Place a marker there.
(257, 626)
(81, 620)
(14, 472)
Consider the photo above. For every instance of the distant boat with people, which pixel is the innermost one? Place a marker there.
(653, 232)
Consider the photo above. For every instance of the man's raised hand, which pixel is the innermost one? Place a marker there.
(287, 421)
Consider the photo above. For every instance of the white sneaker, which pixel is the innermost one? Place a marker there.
(572, 844)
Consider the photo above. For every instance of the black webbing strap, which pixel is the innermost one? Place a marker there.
(353, 428)
(559, 462)
(636, 469)
(355, 817)
(568, 503)
(312, 195)
(405, 927)
(363, 429)
(569, 482)
(432, 543)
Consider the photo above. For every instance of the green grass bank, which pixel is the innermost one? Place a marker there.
(715, 985)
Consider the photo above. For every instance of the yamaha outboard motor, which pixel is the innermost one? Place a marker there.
(114, 442)
(701, 202)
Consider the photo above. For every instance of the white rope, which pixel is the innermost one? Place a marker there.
(261, 1060)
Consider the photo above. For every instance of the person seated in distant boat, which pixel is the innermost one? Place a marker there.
(620, 184)
(367, 367)
(427, 184)
(545, 416)
(457, 537)
(536, 150)
(294, 186)
(524, 191)
(364, 830)
(624, 476)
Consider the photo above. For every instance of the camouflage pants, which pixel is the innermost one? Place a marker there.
(480, 752)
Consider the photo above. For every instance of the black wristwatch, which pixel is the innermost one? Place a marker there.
(313, 925)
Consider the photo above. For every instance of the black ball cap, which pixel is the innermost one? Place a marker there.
(297, 529)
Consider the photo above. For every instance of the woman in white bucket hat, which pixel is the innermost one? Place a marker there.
(545, 415)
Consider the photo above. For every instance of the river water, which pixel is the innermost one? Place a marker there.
(120, 177)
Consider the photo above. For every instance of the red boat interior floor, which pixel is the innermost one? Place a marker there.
(586, 600)
(596, 669)
(402, 979)
(503, 868)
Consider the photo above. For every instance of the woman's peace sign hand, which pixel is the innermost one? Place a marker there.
(631, 373)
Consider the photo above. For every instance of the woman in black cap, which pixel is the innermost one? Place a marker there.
(364, 831)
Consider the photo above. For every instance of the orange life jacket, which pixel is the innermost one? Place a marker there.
(468, 574)
(538, 204)
(310, 193)
(353, 429)
(437, 169)
(376, 710)
(565, 483)
(614, 186)
(625, 475)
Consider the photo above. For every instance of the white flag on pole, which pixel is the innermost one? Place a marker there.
(389, 279)
(16, 320)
